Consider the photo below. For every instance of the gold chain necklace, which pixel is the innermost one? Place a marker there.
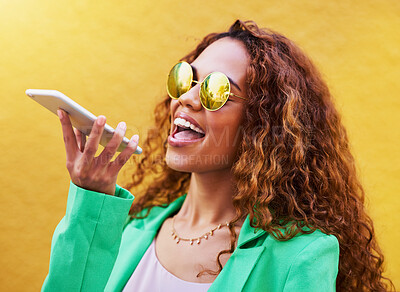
(177, 238)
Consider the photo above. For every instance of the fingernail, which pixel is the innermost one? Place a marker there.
(122, 125)
(135, 138)
(59, 113)
(101, 120)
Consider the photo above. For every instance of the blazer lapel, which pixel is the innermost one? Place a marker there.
(238, 268)
(136, 239)
(139, 234)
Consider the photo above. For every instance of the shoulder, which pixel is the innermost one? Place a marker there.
(302, 240)
(303, 257)
(303, 244)
(315, 263)
(298, 264)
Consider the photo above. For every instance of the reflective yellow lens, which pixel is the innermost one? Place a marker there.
(214, 91)
(179, 80)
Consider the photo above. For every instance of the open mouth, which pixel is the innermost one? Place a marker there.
(183, 133)
(186, 130)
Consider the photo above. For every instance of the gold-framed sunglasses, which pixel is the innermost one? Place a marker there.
(215, 89)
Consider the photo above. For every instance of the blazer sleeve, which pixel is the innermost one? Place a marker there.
(315, 268)
(85, 243)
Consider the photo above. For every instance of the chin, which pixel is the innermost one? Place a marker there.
(180, 162)
(199, 163)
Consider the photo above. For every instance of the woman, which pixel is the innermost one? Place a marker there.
(251, 184)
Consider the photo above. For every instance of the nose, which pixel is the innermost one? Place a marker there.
(191, 98)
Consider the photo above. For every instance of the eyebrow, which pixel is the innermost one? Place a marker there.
(230, 79)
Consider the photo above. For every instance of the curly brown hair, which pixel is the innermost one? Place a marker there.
(294, 167)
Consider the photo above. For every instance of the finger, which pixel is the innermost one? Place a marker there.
(124, 156)
(94, 138)
(112, 146)
(71, 146)
(80, 138)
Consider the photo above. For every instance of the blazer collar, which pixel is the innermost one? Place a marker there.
(238, 268)
(235, 272)
(248, 233)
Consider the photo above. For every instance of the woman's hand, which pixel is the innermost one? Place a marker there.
(95, 173)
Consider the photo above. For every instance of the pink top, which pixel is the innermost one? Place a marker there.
(150, 275)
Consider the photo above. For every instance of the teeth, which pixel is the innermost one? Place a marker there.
(186, 124)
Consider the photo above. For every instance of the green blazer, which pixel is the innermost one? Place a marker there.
(96, 247)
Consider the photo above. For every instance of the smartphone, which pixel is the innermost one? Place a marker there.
(81, 118)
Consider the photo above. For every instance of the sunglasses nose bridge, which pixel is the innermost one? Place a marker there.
(191, 98)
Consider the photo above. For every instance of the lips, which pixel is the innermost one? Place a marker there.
(183, 135)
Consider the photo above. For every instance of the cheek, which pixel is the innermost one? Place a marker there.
(225, 137)
(223, 144)
(173, 105)
(172, 109)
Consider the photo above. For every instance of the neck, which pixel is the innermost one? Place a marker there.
(209, 200)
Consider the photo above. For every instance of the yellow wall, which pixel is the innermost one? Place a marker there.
(113, 57)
